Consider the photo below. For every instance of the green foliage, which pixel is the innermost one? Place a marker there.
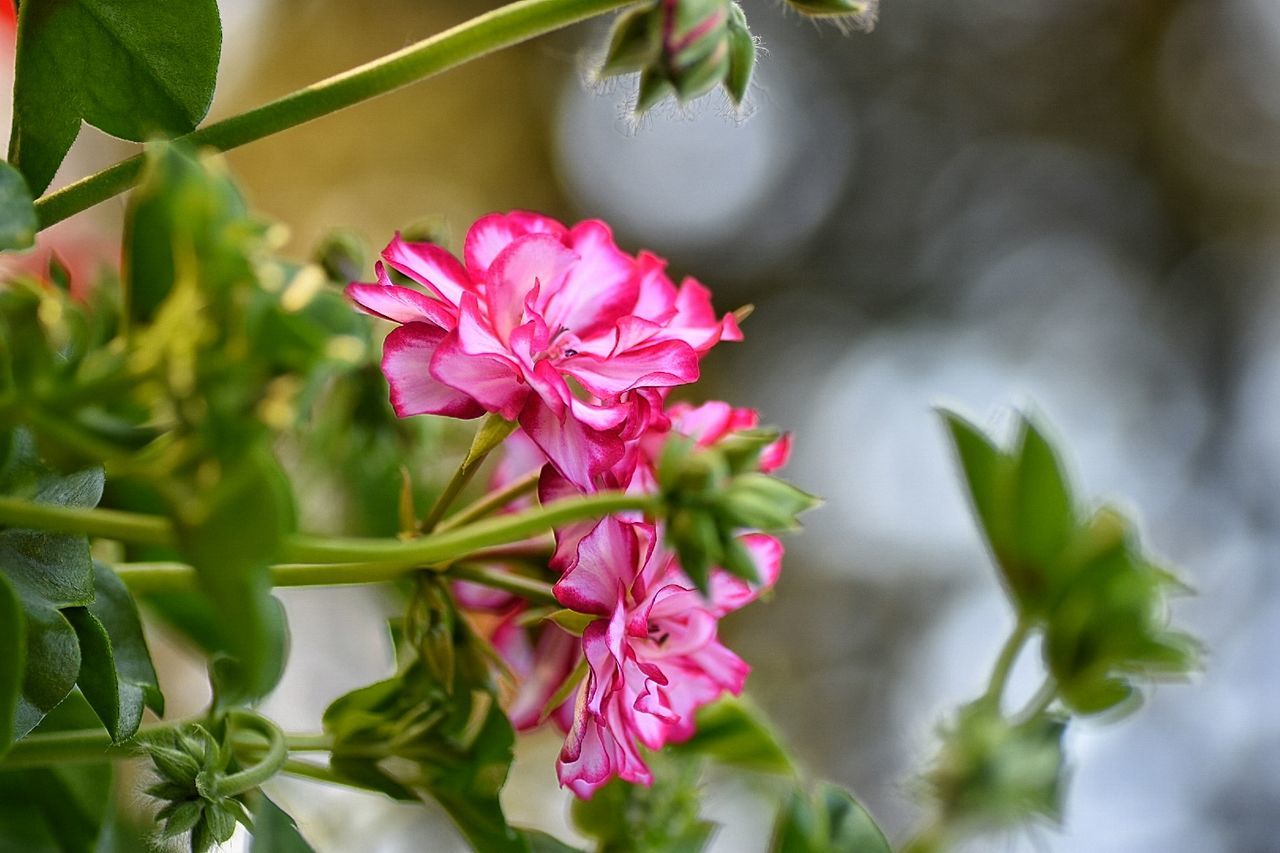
(74, 621)
(274, 831)
(736, 733)
(996, 772)
(116, 673)
(454, 741)
(828, 821)
(662, 818)
(17, 211)
(1085, 581)
(714, 494)
(55, 809)
(133, 69)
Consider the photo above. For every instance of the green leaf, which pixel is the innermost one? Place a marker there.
(455, 741)
(230, 546)
(56, 809)
(541, 842)
(13, 652)
(48, 572)
(734, 731)
(831, 821)
(982, 463)
(274, 831)
(133, 69)
(1043, 513)
(18, 225)
(116, 674)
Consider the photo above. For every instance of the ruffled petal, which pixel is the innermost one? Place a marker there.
(598, 289)
(401, 304)
(535, 260)
(491, 380)
(407, 356)
(578, 452)
(428, 264)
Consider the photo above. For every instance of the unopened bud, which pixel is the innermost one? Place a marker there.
(851, 14)
(683, 48)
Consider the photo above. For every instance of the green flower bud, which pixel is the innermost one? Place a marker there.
(851, 14)
(683, 48)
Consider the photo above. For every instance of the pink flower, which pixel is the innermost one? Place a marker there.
(653, 655)
(534, 310)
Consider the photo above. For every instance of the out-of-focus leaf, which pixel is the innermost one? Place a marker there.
(48, 572)
(56, 809)
(18, 223)
(116, 674)
(664, 817)
(733, 731)
(455, 744)
(829, 821)
(541, 842)
(134, 69)
(243, 522)
(1043, 514)
(13, 653)
(274, 830)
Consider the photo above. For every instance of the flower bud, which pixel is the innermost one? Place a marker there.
(851, 14)
(683, 48)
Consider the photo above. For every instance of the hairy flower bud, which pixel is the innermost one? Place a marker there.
(683, 48)
(851, 14)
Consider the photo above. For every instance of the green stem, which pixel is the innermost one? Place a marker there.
(492, 502)
(1005, 661)
(266, 766)
(492, 431)
(477, 37)
(1039, 702)
(388, 554)
(82, 746)
(535, 591)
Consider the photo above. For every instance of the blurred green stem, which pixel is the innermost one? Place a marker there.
(1004, 663)
(492, 31)
(492, 502)
(387, 554)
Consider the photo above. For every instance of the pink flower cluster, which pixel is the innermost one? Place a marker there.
(580, 343)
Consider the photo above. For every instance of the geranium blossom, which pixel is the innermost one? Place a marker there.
(653, 655)
(532, 312)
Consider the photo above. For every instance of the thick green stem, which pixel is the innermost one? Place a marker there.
(388, 555)
(485, 34)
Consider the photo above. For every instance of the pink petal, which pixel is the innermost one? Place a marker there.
(728, 592)
(599, 288)
(532, 260)
(491, 234)
(664, 364)
(491, 380)
(602, 573)
(553, 659)
(578, 452)
(776, 455)
(401, 304)
(407, 355)
(431, 265)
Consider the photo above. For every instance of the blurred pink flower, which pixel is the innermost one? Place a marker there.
(653, 655)
(534, 310)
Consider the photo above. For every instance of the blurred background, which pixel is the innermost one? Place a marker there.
(1068, 205)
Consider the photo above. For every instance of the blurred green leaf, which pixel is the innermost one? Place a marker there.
(231, 545)
(274, 831)
(56, 809)
(661, 818)
(541, 842)
(18, 223)
(455, 741)
(13, 655)
(1043, 514)
(734, 731)
(116, 673)
(830, 821)
(48, 572)
(134, 70)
